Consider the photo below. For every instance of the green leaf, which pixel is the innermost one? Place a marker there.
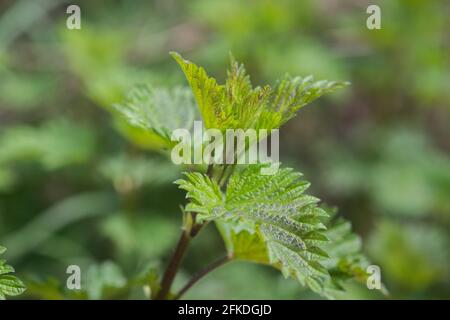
(131, 172)
(293, 93)
(138, 234)
(345, 258)
(10, 285)
(159, 110)
(207, 93)
(104, 279)
(270, 210)
(204, 194)
(238, 105)
(4, 268)
(270, 220)
(55, 144)
(243, 245)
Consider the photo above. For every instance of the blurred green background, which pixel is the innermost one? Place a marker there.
(77, 186)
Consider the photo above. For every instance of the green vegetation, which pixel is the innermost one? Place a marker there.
(263, 218)
(10, 285)
(85, 123)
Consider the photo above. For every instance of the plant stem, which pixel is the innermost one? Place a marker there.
(209, 171)
(196, 228)
(199, 275)
(174, 265)
(225, 177)
(189, 231)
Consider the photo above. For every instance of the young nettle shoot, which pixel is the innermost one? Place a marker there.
(262, 218)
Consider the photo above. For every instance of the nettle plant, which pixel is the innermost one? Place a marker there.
(10, 285)
(267, 219)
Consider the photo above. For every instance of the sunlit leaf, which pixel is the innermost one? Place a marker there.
(236, 104)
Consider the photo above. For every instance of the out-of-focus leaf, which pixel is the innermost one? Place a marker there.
(103, 279)
(48, 289)
(23, 92)
(159, 110)
(345, 259)
(62, 214)
(7, 179)
(129, 173)
(55, 144)
(146, 236)
(414, 256)
(399, 169)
